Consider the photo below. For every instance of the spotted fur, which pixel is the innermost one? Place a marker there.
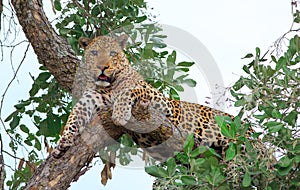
(113, 83)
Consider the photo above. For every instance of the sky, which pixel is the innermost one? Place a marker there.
(226, 31)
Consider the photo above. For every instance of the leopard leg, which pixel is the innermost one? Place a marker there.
(81, 115)
(124, 102)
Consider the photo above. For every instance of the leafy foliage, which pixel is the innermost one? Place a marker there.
(273, 99)
(269, 95)
(190, 170)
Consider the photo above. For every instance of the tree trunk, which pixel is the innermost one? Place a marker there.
(52, 50)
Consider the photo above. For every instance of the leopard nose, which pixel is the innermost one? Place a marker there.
(102, 68)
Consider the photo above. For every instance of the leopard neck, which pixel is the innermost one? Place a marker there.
(126, 79)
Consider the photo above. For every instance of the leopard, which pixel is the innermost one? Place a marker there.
(113, 83)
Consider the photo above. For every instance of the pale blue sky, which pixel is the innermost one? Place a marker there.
(228, 29)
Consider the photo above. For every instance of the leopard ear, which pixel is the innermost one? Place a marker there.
(122, 40)
(84, 41)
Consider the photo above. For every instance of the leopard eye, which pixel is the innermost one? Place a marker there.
(94, 52)
(113, 53)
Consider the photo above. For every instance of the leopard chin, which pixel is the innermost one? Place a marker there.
(104, 81)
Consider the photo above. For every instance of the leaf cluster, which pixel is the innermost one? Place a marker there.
(36, 121)
(273, 98)
(194, 168)
(268, 159)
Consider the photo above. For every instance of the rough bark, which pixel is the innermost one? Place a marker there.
(52, 50)
(101, 132)
(59, 173)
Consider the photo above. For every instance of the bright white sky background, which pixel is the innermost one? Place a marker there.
(228, 29)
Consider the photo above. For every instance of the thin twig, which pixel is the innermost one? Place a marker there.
(6, 90)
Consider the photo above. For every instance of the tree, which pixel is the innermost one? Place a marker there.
(57, 53)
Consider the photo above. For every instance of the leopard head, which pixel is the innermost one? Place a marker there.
(104, 58)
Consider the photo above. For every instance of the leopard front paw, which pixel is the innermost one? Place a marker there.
(61, 148)
(58, 153)
(121, 118)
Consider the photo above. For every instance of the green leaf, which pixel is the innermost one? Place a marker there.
(24, 128)
(179, 88)
(36, 119)
(274, 126)
(185, 64)
(223, 121)
(96, 11)
(188, 180)
(57, 5)
(213, 152)
(43, 76)
(281, 62)
(237, 121)
(199, 162)
(174, 95)
(260, 117)
(181, 77)
(291, 118)
(50, 126)
(15, 122)
(249, 55)
(28, 142)
(22, 104)
(171, 59)
(283, 171)
(246, 180)
(276, 114)
(230, 152)
(183, 158)
(126, 140)
(34, 89)
(140, 19)
(183, 69)
(257, 51)
(246, 69)
(64, 31)
(238, 84)
(156, 171)
(285, 161)
(190, 82)
(232, 130)
(171, 166)
(188, 144)
(11, 116)
(157, 84)
(37, 145)
(240, 102)
(274, 59)
(199, 150)
(9, 183)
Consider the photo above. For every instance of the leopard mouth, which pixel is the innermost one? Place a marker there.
(103, 79)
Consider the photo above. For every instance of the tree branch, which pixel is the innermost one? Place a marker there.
(59, 173)
(52, 50)
(101, 132)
